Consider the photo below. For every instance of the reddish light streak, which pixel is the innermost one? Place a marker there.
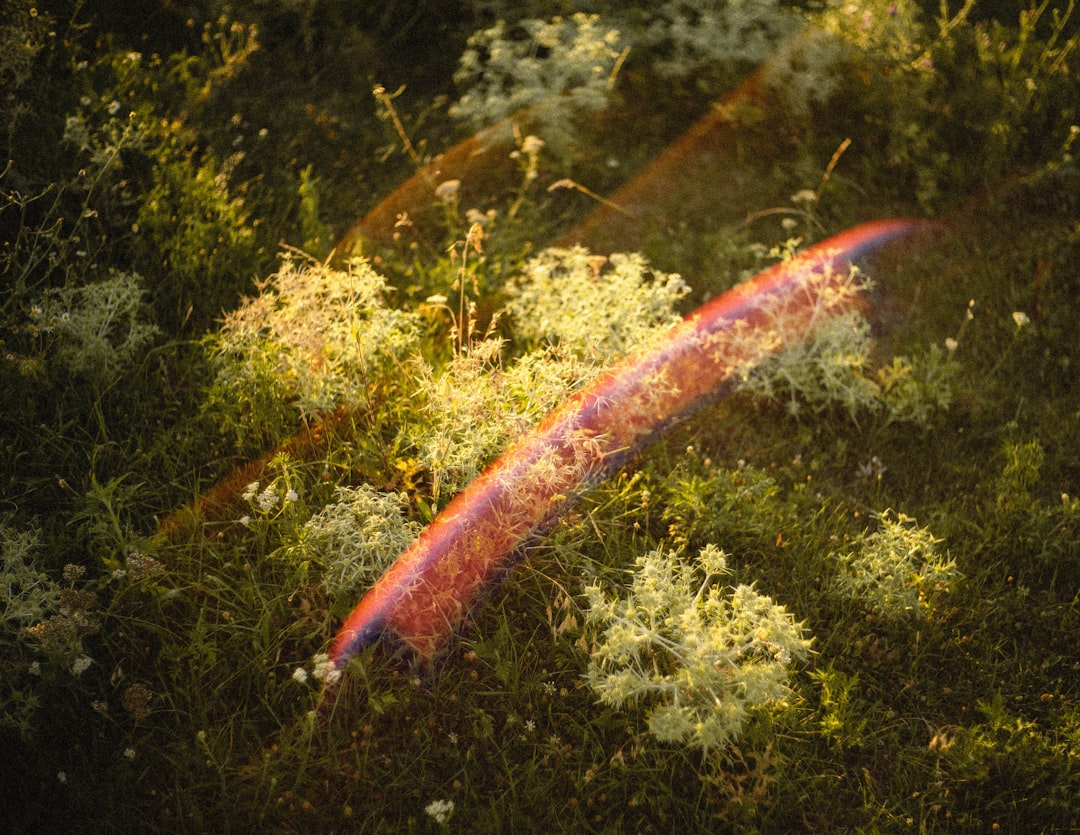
(430, 589)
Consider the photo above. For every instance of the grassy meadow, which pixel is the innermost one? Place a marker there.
(278, 280)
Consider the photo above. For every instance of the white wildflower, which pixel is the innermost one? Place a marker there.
(440, 810)
(355, 537)
(325, 669)
(267, 499)
(476, 216)
(872, 469)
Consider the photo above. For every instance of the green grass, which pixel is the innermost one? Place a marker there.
(950, 705)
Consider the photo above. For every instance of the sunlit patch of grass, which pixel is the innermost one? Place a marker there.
(175, 682)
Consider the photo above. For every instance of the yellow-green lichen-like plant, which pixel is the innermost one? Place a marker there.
(560, 69)
(95, 329)
(896, 571)
(594, 306)
(833, 368)
(309, 342)
(702, 656)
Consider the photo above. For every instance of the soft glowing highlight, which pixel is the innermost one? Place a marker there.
(430, 589)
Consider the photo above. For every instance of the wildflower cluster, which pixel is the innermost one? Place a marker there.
(564, 68)
(141, 567)
(560, 68)
(266, 500)
(322, 670)
(60, 636)
(38, 616)
(29, 596)
(440, 811)
(353, 539)
(702, 656)
(597, 307)
(311, 339)
(690, 36)
(804, 72)
(895, 571)
(136, 701)
(826, 369)
(833, 368)
(97, 328)
(473, 406)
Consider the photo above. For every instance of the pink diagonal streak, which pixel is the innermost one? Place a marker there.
(429, 590)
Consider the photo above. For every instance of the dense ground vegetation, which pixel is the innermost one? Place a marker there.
(846, 597)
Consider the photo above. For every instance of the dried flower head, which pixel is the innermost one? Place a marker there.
(136, 701)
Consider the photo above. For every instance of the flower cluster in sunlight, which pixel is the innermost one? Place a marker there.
(597, 307)
(474, 406)
(833, 368)
(311, 340)
(702, 657)
(896, 571)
